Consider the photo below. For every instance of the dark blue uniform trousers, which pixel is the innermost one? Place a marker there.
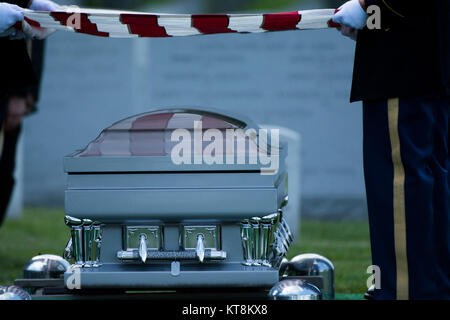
(407, 185)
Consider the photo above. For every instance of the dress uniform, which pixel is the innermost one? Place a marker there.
(402, 74)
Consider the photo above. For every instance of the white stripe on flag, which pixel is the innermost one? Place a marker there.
(246, 23)
(315, 19)
(177, 26)
(112, 25)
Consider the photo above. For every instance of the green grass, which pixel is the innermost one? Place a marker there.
(38, 231)
(345, 243)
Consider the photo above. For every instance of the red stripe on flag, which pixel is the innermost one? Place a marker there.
(32, 23)
(62, 17)
(211, 23)
(73, 19)
(143, 25)
(332, 24)
(281, 21)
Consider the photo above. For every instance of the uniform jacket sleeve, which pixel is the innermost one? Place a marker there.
(399, 12)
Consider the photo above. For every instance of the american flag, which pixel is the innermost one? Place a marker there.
(126, 24)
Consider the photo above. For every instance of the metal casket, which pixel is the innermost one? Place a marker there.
(151, 205)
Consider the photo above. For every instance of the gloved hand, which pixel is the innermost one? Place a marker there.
(44, 5)
(39, 33)
(351, 14)
(9, 15)
(352, 17)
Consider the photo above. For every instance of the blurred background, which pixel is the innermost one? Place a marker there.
(298, 80)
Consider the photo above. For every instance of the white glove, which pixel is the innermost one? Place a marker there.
(39, 33)
(351, 14)
(9, 15)
(44, 5)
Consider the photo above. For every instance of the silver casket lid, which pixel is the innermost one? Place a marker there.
(142, 143)
(129, 170)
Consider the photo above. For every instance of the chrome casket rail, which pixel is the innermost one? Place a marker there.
(84, 243)
(265, 240)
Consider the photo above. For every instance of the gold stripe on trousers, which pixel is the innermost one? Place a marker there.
(401, 258)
